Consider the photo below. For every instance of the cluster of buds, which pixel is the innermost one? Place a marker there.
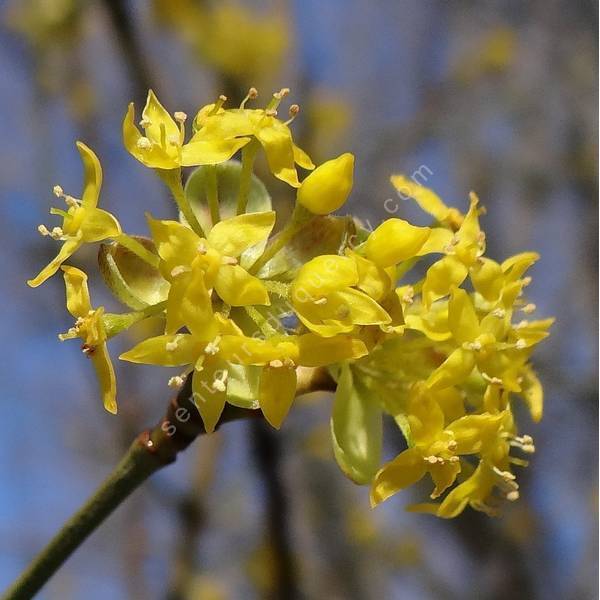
(244, 308)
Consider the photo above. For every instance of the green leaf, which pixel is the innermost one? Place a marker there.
(323, 235)
(242, 385)
(133, 281)
(356, 429)
(228, 185)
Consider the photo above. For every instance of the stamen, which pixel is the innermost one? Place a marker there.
(512, 495)
(251, 95)
(293, 112)
(409, 295)
(145, 122)
(452, 445)
(70, 201)
(43, 230)
(492, 380)
(219, 383)
(202, 249)
(229, 260)
(526, 281)
(529, 308)
(218, 104)
(180, 116)
(499, 312)
(58, 191)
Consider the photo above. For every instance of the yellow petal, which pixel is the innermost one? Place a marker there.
(533, 393)
(235, 235)
(277, 144)
(372, 279)
(425, 416)
(462, 319)
(66, 250)
(209, 397)
(475, 489)
(440, 278)
(160, 123)
(92, 176)
(487, 278)
(427, 199)
(363, 309)
(472, 432)
(443, 476)
(395, 240)
(328, 186)
(165, 350)
(78, 296)
(454, 370)
(236, 287)
(210, 151)
(175, 243)
(439, 240)
(155, 156)
(316, 351)
(98, 225)
(246, 350)
(407, 468)
(106, 377)
(276, 393)
(302, 159)
(323, 275)
(196, 308)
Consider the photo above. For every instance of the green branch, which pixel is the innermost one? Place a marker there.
(151, 451)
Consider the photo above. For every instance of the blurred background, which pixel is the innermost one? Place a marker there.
(495, 96)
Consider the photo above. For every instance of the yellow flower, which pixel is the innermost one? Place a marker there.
(163, 144)
(89, 326)
(326, 300)
(435, 448)
(215, 342)
(83, 222)
(214, 123)
(328, 186)
(218, 256)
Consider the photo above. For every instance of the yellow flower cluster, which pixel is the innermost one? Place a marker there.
(244, 308)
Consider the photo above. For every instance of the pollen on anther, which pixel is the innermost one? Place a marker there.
(43, 230)
(57, 191)
(172, 345)
(179, 270)
(529, 308)
(180, 116)
(276, 364)
(144, 143)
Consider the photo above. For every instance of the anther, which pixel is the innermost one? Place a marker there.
(492, 380)
(276, 364)
(145, 122)
(212, 347)
(201, 248)
(251, 95)
(57, 233)
(173, 140)
(180, 116)
(499, 312)
(452, 445)
(320, 301)
(57, 191)
(219, 383)
(229, 260)
(179, 270)
(172, 345)
(43, 230)
(144, 143)
(529, 308)
(512, 495)
(176, 382)
(293, 112)
(520, 344)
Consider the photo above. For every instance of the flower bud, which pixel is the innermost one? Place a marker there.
(328, 186)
